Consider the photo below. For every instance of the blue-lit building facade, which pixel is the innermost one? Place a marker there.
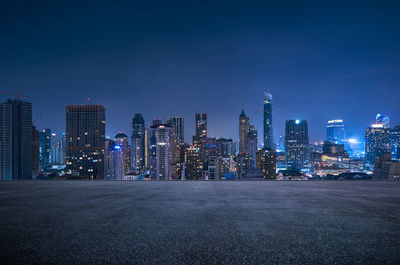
(335, 131)
(296, 144)
(268, 137)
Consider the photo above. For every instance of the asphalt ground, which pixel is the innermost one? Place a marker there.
(200, 222)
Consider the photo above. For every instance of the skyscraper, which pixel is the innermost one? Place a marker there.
(193, 166)
(383, 120)
(113, 161)
(138, 142)
(16, 140)
(377, 141)
(121, 139)
(266, 161)
(162, 159)
(268, 130)
(335, 131)
(296, 143)
(179, 128)
(225, 147)
(44, 149)
(395, 142)
(201, 129)
(252, 142)
(85, 136)
(243, 131)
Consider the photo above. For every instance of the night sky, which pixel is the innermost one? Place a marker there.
(320, 61)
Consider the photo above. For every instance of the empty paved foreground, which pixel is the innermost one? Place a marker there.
(90, 222)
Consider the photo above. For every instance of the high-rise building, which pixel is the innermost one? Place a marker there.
(395, 142)
(162, 159)
(252, 142)
(85, 138)
(383, 120)
(179, 127)
(224, 147)
(121, 139)
(296, 144)
(16, 143)
(244, 124)
(113, 161)
(35, 135)
(58, 151)
(244, 162)
(377, 141)
(193, 165)
(201, 129)
(386, 168)
(267, 124)
(138, 143)
(335, 131)
(44, 149)
(266, 161)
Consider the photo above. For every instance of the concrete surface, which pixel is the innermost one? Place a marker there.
(99, 222)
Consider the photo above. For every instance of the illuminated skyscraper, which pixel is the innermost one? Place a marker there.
(395, 142)
(377, 141)
(85, 137)
(193, 164)
(113, 161)
(335, 131)
(268, 129)
(138, 142)
(16, 140)
(44, 149)
(121, 139)
(225, 147)
(179, 126)
(201, 129)
(243, 131)
(266, 161)
(252, 142)
(296, 144)
(162, 158)
(383, 120)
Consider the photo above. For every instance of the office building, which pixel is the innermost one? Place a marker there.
(85, 138)
(16, 140)
(252, 142)
(201, 128)
(244, 162)
(296, 144)
(395, 142)
(224, 147)
(244, 123)
(383, 120)
(377, 141)
(162, 157)
(138, 143)
(193, 165)
(121, 139)
(386, 168)
(267, 122)
(335, 131)
(179, 128)
(45, 149)
(113, 161)
(266, 162)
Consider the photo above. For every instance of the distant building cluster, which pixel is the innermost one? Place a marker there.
(157, 150)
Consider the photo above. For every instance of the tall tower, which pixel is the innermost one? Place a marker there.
(138, 142)
(16, 140)
(201, 129)
(268, 130)
(44, 149)
(377, 141)
(178, 123)
(252, 142)
(335, 131)
(296, 143)
(121, 139)
(243, 131)
(85, 134)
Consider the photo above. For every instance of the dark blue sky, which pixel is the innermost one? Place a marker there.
(320, 60)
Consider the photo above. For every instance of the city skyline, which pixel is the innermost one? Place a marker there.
(214, 58)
